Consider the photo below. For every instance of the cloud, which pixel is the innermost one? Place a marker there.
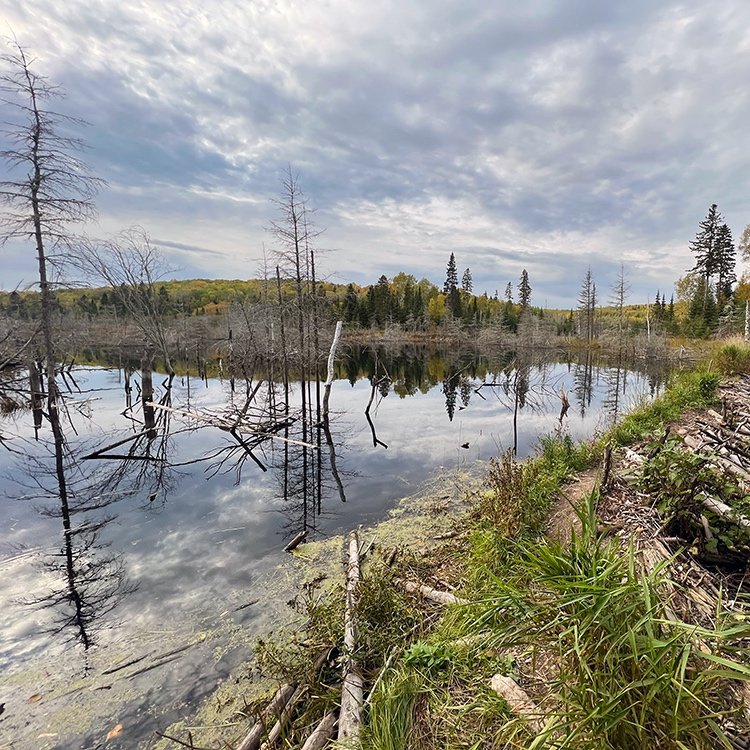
(593, 132)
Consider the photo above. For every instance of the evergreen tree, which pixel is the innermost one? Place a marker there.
(351, 305)
(467, 284)
(508, 292)
(451, 276)
(524, 289)
(725, 263)
(586, 308)
(704, 246)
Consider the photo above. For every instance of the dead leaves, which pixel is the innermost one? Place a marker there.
(116, 731)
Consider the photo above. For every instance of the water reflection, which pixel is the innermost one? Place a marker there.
(139, 508)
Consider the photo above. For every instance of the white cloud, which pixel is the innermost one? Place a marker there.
(595, 131)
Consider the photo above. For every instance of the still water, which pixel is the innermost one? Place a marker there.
(173, 563)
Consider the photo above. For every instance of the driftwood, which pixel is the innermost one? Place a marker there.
(322, 733)
(350, 717)
(329, 378)
(519, 702)
(286, 714)
(294, 543)
(222, 423)
(282, 696)
(391, 557)
(725, 511)
(434, 595)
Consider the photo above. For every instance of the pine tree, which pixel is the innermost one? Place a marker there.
(508, 292)
(467, 285)
(524, 289)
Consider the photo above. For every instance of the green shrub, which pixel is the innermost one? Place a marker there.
(733, 359)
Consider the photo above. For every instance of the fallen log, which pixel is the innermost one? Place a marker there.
(519, 702)
(350, 717)
(725, 511)
(286, 714)
(282, 696)
(322, 733)
(434, 595)
(294, 543)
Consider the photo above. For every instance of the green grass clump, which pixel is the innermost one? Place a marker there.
(733, 358)
(619, 672)
(687, 390)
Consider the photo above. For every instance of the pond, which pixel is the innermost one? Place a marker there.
(132, 603)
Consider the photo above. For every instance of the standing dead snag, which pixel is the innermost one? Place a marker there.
(330, 373)
(350, 717)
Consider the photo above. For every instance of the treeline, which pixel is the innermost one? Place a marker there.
(709, 300)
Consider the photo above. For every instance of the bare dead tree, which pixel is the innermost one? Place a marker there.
(132, 266)
(49, 189)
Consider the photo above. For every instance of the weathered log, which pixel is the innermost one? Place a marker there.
(447, 535)
(350, 716)
(725, 511)
(282, 696)
(519, 701)
(391, 557)
(294, 543)
(286, 714)
(434, 595)
(696, 444)
(322, 733)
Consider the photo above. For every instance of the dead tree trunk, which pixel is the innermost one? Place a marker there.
(350, 717)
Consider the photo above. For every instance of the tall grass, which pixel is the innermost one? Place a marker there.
(687, 390)
(618, 672)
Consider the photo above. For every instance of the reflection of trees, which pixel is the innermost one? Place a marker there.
(583, 379)
(522, 384)
(91, 578)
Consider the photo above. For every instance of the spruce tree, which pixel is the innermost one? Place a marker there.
(704, 245)
(451, 276)
(467, 284)
(524, 289)
(725, 263)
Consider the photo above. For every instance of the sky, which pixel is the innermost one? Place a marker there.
(550, 135)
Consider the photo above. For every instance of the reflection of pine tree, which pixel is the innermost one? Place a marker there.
(522, 385)
(450, 388)
(583, 383)
(465, 391)
(615, 379)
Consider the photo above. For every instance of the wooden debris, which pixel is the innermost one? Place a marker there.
(294, 543)
(434, 595)
(322, 733)
(286, 714)
(725, 511)
(519, 701)
(350, 717)
(282, 696)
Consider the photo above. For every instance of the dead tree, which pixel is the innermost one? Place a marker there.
(132, 266)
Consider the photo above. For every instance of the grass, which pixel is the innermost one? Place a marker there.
(687, 390)
(618, 673)
(578, 624)
(733, 357)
